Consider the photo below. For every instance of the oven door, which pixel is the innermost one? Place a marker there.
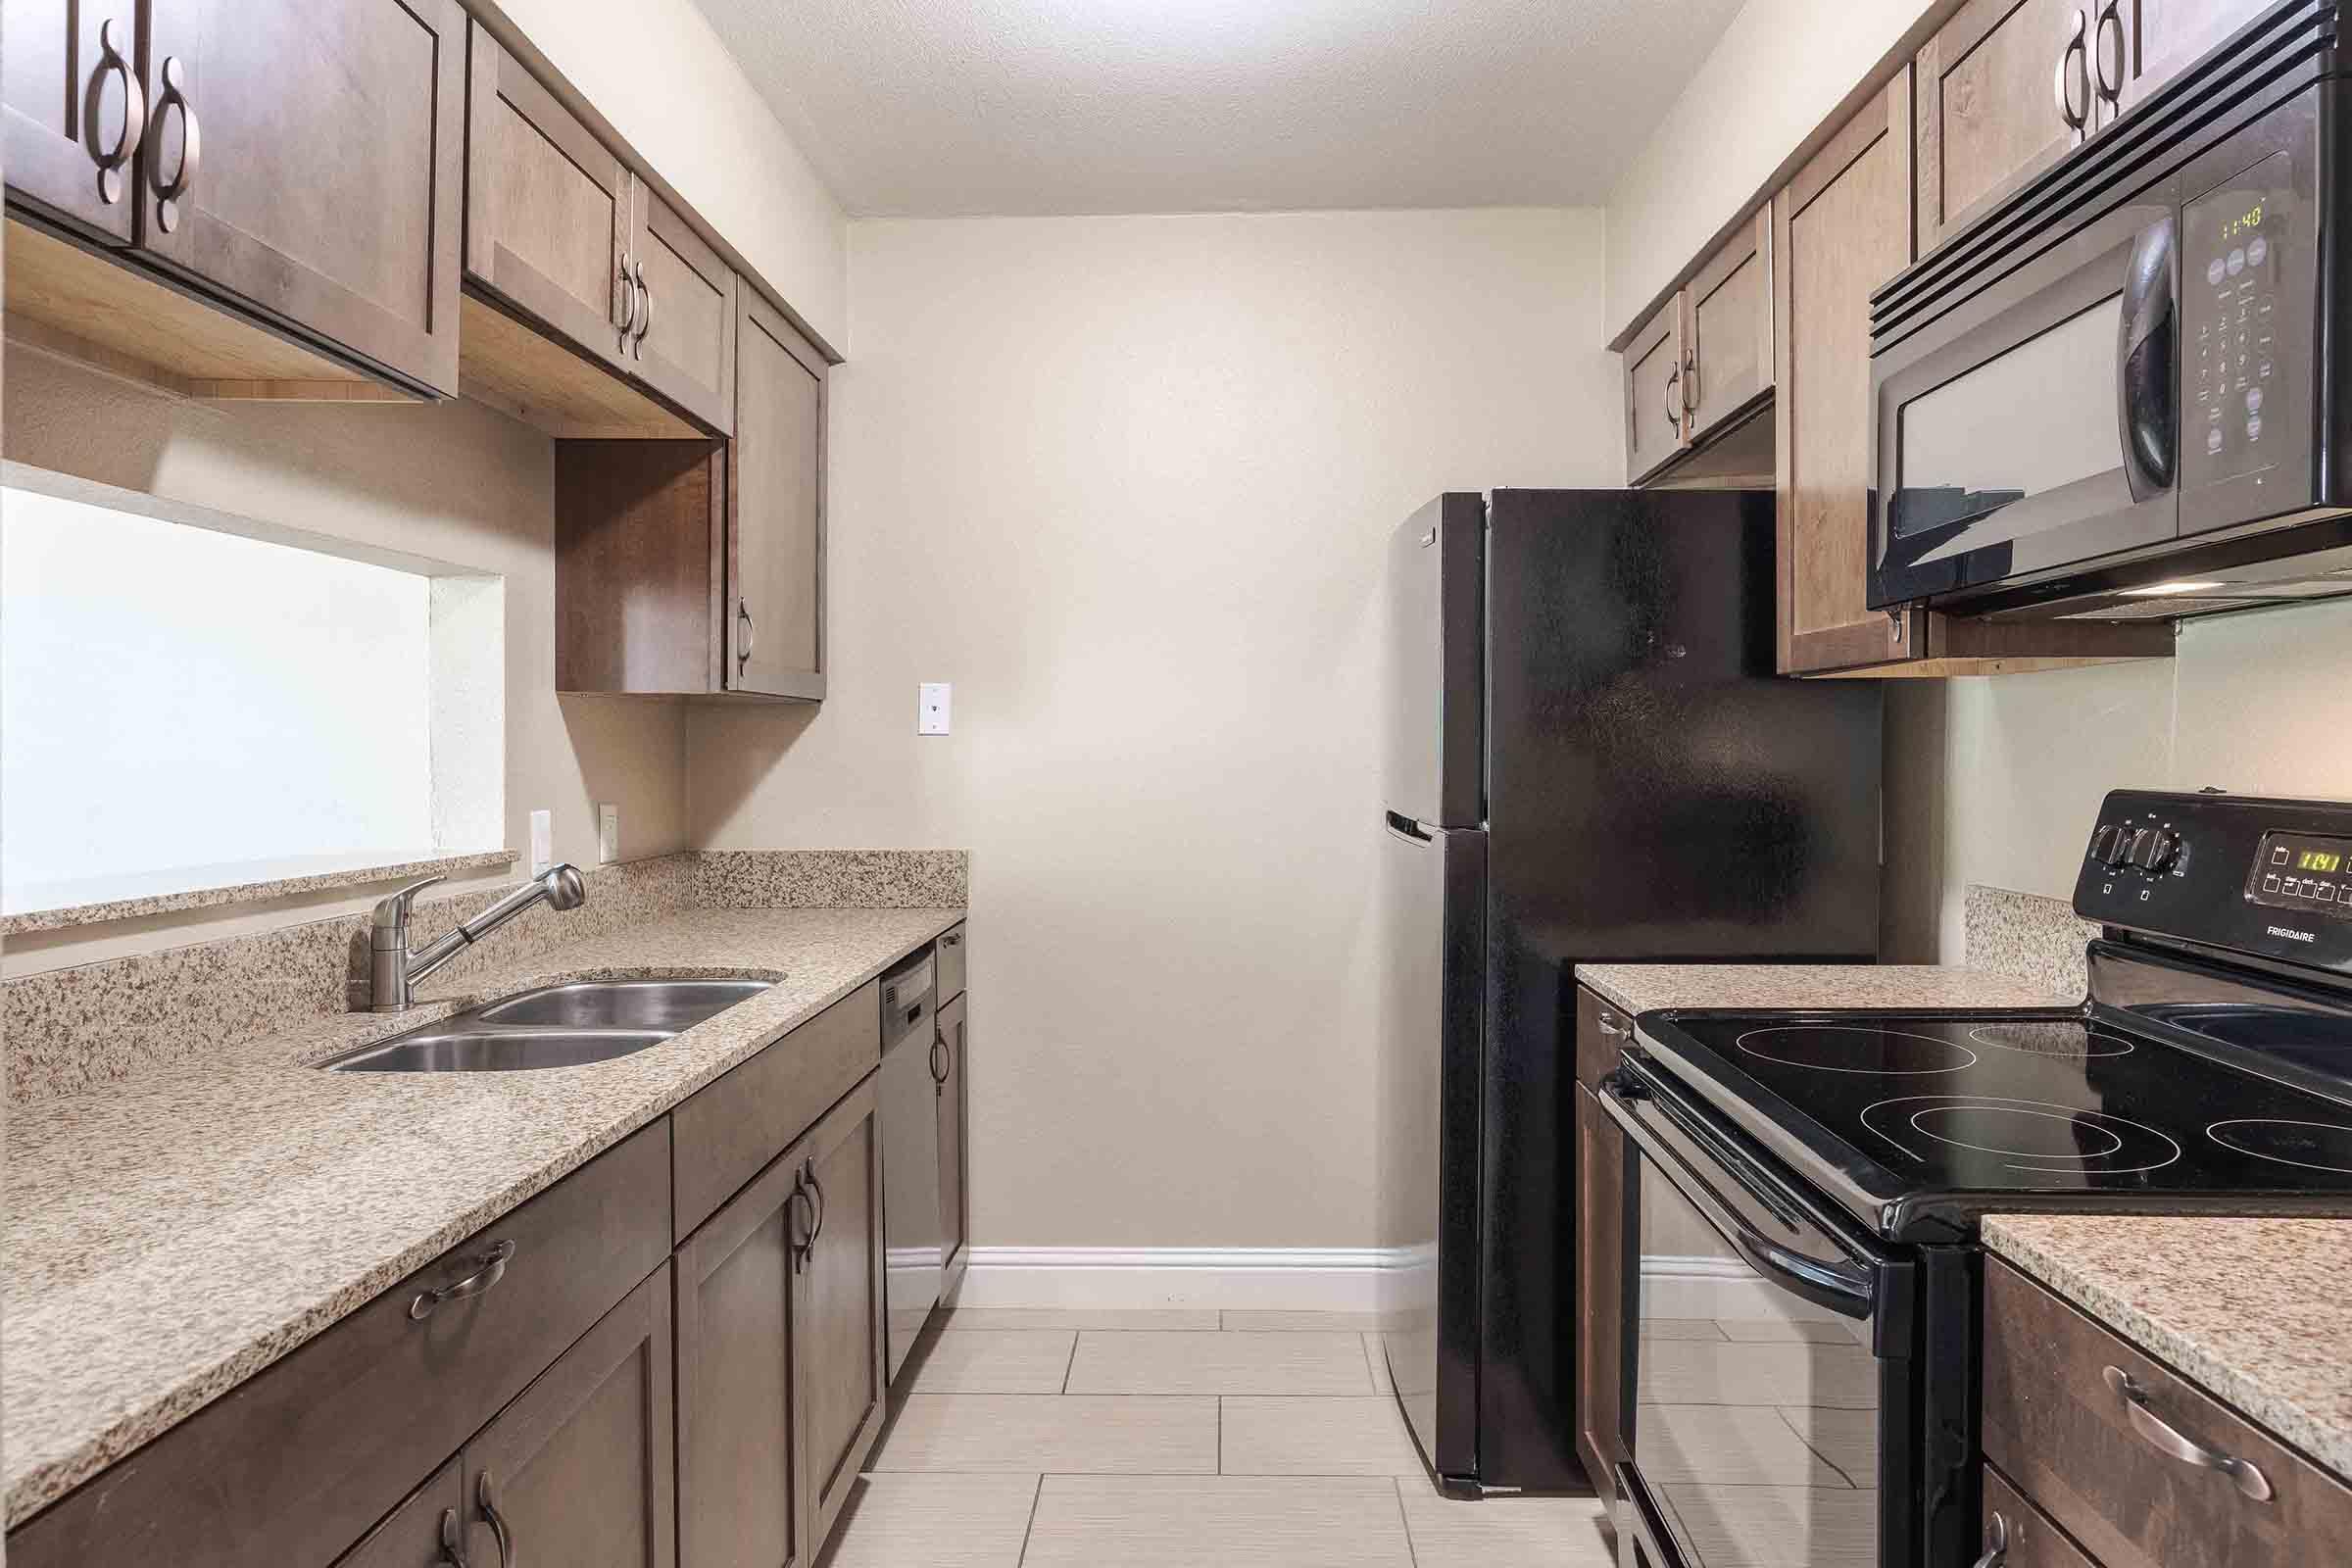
(2035, 422)
(1771, 1403)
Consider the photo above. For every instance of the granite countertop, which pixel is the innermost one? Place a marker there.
(2253, 1310)
(1641, 987)
(170, 1236)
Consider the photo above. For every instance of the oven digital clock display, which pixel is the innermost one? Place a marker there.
(2297, 871)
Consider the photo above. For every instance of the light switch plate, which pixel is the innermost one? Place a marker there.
(931, 709)
(608, 833)
(543, 842)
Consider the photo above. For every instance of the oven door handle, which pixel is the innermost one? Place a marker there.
(1846, 1288)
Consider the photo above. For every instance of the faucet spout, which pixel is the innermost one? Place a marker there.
(397, 969)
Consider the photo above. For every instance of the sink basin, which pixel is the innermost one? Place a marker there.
(440, 1049)
(666, 1005)
(558, 1026)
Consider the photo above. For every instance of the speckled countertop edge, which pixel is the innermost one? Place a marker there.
(2253, 1310)
(1755, 987)
(284, 887)
(170, 1236)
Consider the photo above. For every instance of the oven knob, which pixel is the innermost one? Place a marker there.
(2155, 849)
(2106, 845)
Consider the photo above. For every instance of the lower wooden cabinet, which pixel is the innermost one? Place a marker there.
(838, 1384)
(579, 1470)
(426, 1531)
(1600, 1249)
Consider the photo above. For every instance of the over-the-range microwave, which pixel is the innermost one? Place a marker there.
(2126, 389)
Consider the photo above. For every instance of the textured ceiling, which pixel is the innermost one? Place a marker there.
(963, 107)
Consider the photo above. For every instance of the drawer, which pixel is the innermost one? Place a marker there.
(1597, 1046)
(951, 965)
(729, 1132)
(2022, 1533)
(2055, 1426)
(296, 1464)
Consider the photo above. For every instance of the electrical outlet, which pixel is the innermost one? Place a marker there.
(543, 842)
(608, 834)
(931, 708)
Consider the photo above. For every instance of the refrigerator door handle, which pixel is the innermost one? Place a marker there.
(1406, 828)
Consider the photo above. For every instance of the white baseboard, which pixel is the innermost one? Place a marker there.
(1295, 1279)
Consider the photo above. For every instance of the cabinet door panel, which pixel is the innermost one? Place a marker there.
(579, 1467)
(1654, 385)
(66, 99)
(1841, 228)
(326, 192)
(1989, 114)
(685, 345)
(547, 206)
(775, 516)
(1727, 331)
(2162, 37)
(420, 1530)
(839, 1391)
(954, 1129)
(737, 1491)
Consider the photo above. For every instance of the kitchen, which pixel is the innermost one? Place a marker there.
(690, 391)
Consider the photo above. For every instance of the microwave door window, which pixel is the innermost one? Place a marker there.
(2035, 423)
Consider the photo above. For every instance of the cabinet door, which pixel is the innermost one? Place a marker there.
(547, 206)
(684, 343)
(954, 1127)
(775, 509)
(739, 1497)
(1654, 393)
(579, 1469)
(1727, 329)
(1601, 1290)
(427, 1531)
(2139, 45)
(839, 1383)
(1989, 116)
(75, 105)
(305, 157)
(1841, 228)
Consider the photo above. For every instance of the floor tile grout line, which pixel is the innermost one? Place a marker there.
(1036, 1493)
(1404, 1523)
(1073, 1362)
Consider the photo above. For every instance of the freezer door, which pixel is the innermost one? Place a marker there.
(1431, 905)
(1436, 749)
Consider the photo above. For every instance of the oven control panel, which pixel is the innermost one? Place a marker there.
(2267, 877)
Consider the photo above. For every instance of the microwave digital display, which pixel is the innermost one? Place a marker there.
(2244, 223)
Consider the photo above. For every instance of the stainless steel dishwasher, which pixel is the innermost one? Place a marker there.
(914, 1240)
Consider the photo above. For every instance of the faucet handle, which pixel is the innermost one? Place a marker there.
(392, 914)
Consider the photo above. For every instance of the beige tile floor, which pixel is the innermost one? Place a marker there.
(1103, 1440)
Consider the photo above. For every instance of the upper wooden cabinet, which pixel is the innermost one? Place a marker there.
(682, 341)
(2003, 92)
(74, 104)
(1652, 372)
(1704, 359)
(303, 157)
(776, 510)
(2139, 45)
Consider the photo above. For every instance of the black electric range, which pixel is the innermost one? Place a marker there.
(1810, 1183)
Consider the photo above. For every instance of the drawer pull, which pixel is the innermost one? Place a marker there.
(1610, 1025)
(488, 1272)
(453, 1550)
(496, 1522)
(2161, 1437)
(1996, 1543)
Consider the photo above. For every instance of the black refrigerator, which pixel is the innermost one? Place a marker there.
(1588, 760)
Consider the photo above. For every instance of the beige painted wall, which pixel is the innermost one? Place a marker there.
(2252, 704)
(657, 71)
(1126, 483)
(454, 482)
(1777, 73)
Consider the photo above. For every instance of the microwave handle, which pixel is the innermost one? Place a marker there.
(2147, 364)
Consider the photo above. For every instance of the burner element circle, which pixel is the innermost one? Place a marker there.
(1856, 1049)
(2021, 1131)
(2028, 1135)
(2064, 1040)
(2311, 1145)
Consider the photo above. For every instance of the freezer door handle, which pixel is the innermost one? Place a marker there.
(1406, 828)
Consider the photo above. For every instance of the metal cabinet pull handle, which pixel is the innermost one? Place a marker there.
(751, 635)
(488, 1499)
(628, 302)
(941, 1060)
(819, 1188)
(134, 113)
(808, 1225)
(954, 939)
(191, 143)
(1996, 1543)
(488, 1272)
(1674, 400)
(2109, 13)
(1690, 383)
(645, 293)
(453, 1539)
(1610, 1025)
(2077, 45)
(2160, 1435)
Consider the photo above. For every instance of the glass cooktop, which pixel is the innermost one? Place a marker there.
(1935, 1109)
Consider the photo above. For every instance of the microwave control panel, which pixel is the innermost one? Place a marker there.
(2235, 249)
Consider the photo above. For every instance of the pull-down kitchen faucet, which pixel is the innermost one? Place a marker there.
(395, 969)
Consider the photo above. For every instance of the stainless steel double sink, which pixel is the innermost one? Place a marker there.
(556, 1027)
